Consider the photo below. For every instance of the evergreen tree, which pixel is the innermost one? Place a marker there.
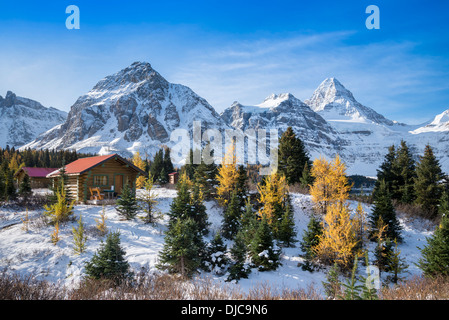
(168, 165)
(306, 179)
(383, 208)
(292, 156)
(163, 176)
(205, 177)
(332, 285)
(241, 185)
(265, 255)
(10, 189)
(198, 210)
(310, 240)
(286, 232)
(396, 264)
(157, 165)
(216, 252)
(239, 268)
(231, 217)
(25, 190)
(405, 171)
(180, 206)
(443, 208)
(435, 255)
(109, 261)
(127, 203)
(428, 188)
(248, 223)
(182, 249)
(387, 172)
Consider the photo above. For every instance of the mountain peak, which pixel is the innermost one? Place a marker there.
(336, 103)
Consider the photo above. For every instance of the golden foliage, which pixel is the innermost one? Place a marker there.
(272, 192)
(139, 163)
(331, 184)
(101, 223)
(55, 234)
(338, 242)
(59, 211)
(227, 176)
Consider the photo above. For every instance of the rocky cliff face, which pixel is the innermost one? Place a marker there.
(22, 120)
(133, 109)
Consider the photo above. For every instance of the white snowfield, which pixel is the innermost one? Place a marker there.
(32, 253)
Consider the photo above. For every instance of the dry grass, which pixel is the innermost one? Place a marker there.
(152, 286)
(418, 288)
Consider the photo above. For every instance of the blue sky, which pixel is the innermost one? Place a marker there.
(234, 50)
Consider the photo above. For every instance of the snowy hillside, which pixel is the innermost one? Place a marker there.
(33, 253)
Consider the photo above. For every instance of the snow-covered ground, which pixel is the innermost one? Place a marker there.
(33, 253)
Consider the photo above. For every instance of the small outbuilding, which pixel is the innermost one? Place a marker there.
(38, 176)
(173, 178)
(92, 176)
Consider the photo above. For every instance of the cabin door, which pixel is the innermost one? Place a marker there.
(118, 183)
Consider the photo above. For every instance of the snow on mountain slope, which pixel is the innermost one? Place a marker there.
(135, 109)
(336, 103)
(280, 112)
(22, 120)
(439, 124)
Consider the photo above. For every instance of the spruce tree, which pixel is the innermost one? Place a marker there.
(198, 210)
(386, 171)
(127, 203)
(183, 248)
(306, 179)
(231, 217)
(216, 255)
(265, 255)
(292, 156)
(157, 165)
(286, 232)
(310, 240)
(405, 171)
(248, 223)
(180, 206)
(239, 268)
(383, 208)
(25, 190)
(435, 255)
(109, 261)
(427, 186)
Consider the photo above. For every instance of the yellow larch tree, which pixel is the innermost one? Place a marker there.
(139, 163)
(273, 193)
(338, 242)
(330, 183)
(227, 176)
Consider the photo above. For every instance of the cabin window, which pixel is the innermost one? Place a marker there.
(101, 180)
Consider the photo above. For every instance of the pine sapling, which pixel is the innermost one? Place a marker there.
(79, 237)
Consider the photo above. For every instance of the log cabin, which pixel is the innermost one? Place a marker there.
(107, 173)
(38, 176)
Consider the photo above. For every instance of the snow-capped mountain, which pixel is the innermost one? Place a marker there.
(280, 112)
(22, 120)
(439, 124)
(134, 109)
(336, 103)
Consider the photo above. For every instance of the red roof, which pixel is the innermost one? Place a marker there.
(84, 164)
(38, 172)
